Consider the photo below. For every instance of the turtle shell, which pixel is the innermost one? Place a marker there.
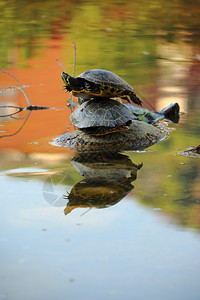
(105, 79)
(98, 113)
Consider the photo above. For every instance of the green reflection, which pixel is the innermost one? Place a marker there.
(172, 180)
(122, 32)
(25, 26)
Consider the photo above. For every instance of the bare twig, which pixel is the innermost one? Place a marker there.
(61, 65)
(21, 87)
(12, 134)
(74, 64)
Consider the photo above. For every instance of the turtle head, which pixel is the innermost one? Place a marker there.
(71, 83)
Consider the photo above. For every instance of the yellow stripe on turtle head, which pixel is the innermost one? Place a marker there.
(65, 77)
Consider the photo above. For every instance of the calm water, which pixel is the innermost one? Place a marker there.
(129, 229)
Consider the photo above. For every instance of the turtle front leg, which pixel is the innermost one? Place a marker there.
(130, 96)
(81, 100)
(125, 98)
(134, 98)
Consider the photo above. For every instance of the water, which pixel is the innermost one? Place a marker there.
(134, 235)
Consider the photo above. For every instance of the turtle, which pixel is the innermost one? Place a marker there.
(171, 113)
(99, 83)
(99, 117)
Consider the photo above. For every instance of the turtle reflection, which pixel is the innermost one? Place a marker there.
(108, 179)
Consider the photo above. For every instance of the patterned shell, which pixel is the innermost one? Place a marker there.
(97, 113)
(105, 78)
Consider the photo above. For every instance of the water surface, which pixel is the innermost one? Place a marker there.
(132, 233)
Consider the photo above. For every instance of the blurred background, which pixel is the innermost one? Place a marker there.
(152, 45)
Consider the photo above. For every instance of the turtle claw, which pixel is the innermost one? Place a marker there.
(135, 99)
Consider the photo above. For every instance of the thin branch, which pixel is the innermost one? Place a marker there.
(61, 65)
(74, 64)
(12, 134)
(12, 114)
(21, 87)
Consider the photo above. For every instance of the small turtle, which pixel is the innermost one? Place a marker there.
(99, 83)
(99, 117)
(170, 113)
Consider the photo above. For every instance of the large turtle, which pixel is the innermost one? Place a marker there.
(99, 117)
(99, 83)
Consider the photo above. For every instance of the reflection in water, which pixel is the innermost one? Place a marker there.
(108, 179)
(25, 119)
(168, 184)
(172, 186)
(15, 111)
(12, 111)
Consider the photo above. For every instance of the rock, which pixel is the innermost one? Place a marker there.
(139, 137)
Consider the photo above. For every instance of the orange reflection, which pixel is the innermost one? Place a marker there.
(44, 88)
